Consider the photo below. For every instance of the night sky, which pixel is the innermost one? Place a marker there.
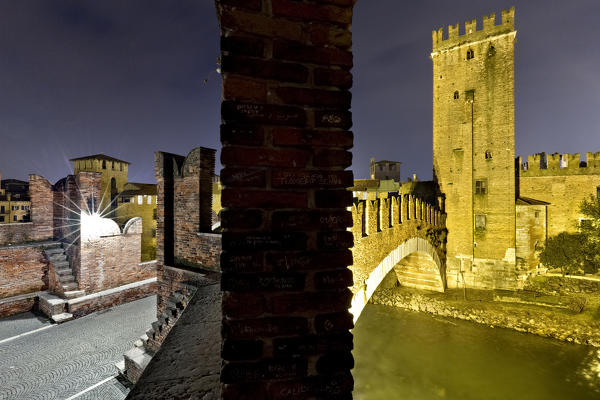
(127, 78)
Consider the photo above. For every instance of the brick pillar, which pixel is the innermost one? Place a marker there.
(286, 80)
(42, 208)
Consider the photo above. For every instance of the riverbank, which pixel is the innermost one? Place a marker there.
(548, 317)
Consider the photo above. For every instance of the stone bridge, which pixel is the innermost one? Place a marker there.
(403, 232)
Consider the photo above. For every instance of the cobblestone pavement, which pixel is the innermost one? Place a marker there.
(21, 323)
(61, 361)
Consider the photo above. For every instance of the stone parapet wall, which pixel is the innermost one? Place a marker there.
(91, 303)
(16, 233)
(113, 261)
(381, 225)
(443, 41)
(18, 304)
(23, 269)
(558, 164)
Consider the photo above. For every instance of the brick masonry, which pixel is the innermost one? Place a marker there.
(24, 269)
(81, 308)
(113, 261)
(285, 112)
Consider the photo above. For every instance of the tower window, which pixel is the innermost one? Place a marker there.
(103, 164)
(480, 221)
(491, 51)
(456, 95)
(481, 187)
(488, 154)
(470, 54)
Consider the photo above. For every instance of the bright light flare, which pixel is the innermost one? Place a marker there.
(93, 226)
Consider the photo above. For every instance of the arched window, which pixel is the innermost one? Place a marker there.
(103, 164)
(456, 95)
(470, 54)
(488, 154)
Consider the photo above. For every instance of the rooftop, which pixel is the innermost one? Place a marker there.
(99, 157)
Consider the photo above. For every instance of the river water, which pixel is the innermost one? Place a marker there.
(411, 356)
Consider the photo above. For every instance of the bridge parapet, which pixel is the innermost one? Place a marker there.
(382, 226)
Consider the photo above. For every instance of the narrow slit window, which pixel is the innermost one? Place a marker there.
(456, 95)
(470, 54)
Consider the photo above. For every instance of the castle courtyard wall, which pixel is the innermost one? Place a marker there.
(564, 193)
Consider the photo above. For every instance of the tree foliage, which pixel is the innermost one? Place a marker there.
(563, 251)
(572, 252)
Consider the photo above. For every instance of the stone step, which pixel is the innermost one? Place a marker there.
(419, 283)
(61, 264)
(418, 275)
(71, 294)
(60, 318)
(120, 366)
(64, 271)
(144, 338)
(138, 356)
(66, 279)
(54, 250)
(172, 312)
(150, 333)
(69, 287)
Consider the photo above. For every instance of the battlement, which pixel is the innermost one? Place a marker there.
(472, 34)
(542, 164)
(398, 209)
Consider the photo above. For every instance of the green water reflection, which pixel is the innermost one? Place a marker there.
(412, 356)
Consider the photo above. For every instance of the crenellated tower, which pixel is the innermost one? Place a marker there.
(474, 146)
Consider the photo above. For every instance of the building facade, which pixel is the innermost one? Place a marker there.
(385, 170)
(15, 205)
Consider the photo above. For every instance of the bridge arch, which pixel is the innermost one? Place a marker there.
(407, 248)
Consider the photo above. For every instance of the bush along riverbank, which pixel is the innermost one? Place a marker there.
(553, 317)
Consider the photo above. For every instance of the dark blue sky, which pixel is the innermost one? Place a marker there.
(127, 78)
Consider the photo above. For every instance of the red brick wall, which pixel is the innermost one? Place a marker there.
(42, 197)
(286, 100)
(113, 261)
(16, 233)
(23, 269)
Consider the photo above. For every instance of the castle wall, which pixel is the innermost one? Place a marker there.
(564, 193)
(23, 269)
(108, 262)
(564, 181)
(473, 144)
(531, 234)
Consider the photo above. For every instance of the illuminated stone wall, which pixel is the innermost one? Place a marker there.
(563, 187)
(473, 147)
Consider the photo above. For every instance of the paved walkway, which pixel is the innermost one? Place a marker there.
(21, 323)
(62, 361)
